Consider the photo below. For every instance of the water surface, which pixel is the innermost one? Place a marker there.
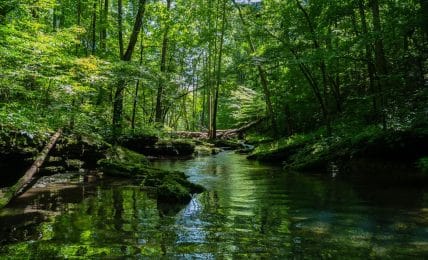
(248, 210)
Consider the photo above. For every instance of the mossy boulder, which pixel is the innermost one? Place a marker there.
(233, 144)
(169, 186)
(83, 148)
(122, 169)
(206, 149)
(170, 148)
(137, 142)
(151, 145)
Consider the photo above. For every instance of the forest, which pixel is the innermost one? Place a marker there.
(118, 88)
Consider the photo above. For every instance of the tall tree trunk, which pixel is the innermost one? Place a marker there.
(54, 17)
(118, 98)
(369, 58)
(424, 15)
(137, 85)
(79, 17)
(120, 27)
(159, 95)
(218, 80)
(104, 25)
(380, 59)
(94, 28)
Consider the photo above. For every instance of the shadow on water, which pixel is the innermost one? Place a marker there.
(248, 210)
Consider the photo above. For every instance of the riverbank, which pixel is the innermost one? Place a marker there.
(93, 156)
(313, 151)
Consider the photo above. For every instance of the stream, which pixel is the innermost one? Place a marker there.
(249, 210)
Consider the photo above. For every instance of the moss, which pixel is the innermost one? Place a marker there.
(122, 169)
(123, 154)
(314, 152)
(169, 186)
(205, 149)
(74, 164)
(52, 170)
(170, 190)
(137, 141)
(280, 150)
(228, 143)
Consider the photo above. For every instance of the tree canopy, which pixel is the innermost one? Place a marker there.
(111, 66)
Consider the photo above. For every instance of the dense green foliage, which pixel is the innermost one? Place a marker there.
(197, 65)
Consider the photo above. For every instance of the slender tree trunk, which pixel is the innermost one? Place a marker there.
(159, 95)
(369, 58)
(134, 107)
(380, 59)
(104, 25)
(94, 28)
(424, 15)
(218, 80)
(61, 22)
(79, 17)
(54, 17)
(118, 98)
(120, 27)
(204, 96)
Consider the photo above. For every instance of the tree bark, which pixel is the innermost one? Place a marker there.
(369, 58)
(218, 80)
(380, 59)
(94, 28)
(118, 98)
(104, 26)
(120, 27)
(137, 85)
(159, 95)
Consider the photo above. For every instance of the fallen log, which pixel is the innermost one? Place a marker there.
(239, 131)
(22, 183)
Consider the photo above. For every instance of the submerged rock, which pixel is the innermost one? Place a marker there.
(169, 186)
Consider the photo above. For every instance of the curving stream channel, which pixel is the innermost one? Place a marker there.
(248, 210)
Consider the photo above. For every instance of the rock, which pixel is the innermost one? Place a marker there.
(49, 170)
(74, 164)
(137, 142)
(169, 186)
(170, 148)
(228, 143)
(82, 148)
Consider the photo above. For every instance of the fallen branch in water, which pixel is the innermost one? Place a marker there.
(16, 189)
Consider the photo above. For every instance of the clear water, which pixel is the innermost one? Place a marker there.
(248, 210)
